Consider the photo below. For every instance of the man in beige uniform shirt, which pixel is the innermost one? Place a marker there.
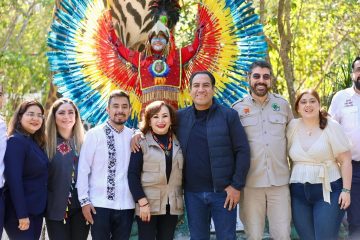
(264, 116)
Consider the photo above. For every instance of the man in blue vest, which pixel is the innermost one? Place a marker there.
(217, 159)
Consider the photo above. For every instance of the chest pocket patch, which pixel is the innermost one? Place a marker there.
(249, 121)
(277, 124)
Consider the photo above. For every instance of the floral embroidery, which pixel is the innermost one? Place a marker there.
(111, 162)
(84, 201)
(63, 148)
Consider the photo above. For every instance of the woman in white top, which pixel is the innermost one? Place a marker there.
(321, 170)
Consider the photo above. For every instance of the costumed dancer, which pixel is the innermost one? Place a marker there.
(89, 62)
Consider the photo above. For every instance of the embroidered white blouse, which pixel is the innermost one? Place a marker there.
(317, 164)
(99, 181)
(3, 139)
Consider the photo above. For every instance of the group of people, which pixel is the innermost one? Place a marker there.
(206, 157)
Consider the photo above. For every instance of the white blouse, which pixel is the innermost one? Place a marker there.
(3, 139)
(317, 164)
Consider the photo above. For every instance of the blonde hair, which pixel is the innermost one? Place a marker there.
(51, 129)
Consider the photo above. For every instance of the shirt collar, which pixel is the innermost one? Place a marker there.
(351, 91)
(269, 96)
(114, 129)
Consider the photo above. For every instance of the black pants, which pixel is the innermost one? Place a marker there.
(74, 228)
(112, 224)
(160, 227)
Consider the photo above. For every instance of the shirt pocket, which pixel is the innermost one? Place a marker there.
(153, 197)
(350, 117)
(277, 124)
(249, 121)
(151, 173)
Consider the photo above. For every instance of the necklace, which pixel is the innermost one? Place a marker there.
(166, 149)
(309, 130)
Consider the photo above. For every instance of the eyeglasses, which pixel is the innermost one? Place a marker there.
(258, 76)
(34, 115)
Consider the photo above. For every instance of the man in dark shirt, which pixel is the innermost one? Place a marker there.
(217, 159)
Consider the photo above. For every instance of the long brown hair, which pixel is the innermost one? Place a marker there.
(15, 124)
(154, 108)
(51, 129)
(322, 113)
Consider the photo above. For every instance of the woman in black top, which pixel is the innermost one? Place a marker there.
(155, 174)
(64, 218)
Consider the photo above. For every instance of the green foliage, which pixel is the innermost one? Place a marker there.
(324, 37)
(23, 65)
(324, 41)
(185, 28)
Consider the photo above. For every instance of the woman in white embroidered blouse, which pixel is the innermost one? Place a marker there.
(320, 180)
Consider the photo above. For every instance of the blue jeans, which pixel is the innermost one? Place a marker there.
(112, 224)
(315, 219)
(200, 207)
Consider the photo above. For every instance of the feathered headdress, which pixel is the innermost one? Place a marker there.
(167, 11)
(88, 66)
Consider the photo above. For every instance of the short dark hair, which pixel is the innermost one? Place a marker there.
(154, 108)
(260, 63)
(118, 93)
(209, 74)
(353, 63)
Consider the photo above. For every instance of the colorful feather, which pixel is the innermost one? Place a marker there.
(88, 67)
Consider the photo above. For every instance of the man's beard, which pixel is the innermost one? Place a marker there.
(357, 83)
(118, 122)
(262, 93)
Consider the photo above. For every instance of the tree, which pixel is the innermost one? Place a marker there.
(309, 41)
(23, 31)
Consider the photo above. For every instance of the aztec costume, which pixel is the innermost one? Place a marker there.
(89, 61)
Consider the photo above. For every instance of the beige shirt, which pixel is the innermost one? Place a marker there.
(265, 127)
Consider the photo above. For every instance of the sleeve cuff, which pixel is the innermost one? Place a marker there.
(84, 201)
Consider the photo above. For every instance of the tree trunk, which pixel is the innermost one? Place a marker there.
(285, 35)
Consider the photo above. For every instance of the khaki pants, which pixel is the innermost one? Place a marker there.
(273, 202)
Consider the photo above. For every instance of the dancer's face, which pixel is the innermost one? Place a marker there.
(158, 42)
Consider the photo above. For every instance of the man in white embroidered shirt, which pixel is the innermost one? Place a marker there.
(102, 182)
(3, 139)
